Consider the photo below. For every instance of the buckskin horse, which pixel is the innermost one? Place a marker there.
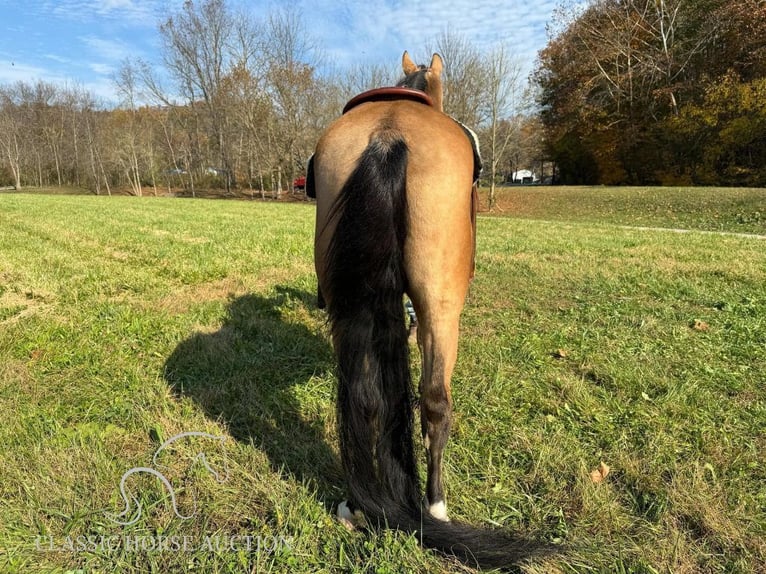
(393, 179)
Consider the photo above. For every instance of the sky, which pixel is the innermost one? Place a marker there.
(83, 42)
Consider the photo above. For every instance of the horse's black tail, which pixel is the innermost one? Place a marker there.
(366, 281)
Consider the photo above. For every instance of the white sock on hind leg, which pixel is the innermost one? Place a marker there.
(347, 518)
(439, 511)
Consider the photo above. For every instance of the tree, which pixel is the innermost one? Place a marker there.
(464, 77)
(292, 57)
(361, 77)
(198, 44)
(129, 126)
(503, 99)
(726, 133)
(613, 74)
(11, 128)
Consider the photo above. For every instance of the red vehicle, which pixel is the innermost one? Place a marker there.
(299, 184)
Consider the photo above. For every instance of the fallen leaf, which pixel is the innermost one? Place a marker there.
(561, 354)
(599, 474)
(698, 325)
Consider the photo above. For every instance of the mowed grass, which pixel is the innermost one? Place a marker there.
(736, 210)
(125, 321)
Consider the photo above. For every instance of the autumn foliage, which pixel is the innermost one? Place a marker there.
(656, 92)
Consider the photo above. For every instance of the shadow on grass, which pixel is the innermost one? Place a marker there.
(248, 373)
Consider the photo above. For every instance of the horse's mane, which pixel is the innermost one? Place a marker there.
(416, 80)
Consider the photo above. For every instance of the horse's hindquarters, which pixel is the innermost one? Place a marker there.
(405, 169)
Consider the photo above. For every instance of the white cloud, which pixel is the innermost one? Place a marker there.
(57, 58)
(111, 50)
(354, 32)
(137, 12)
(11, 72)
(102, 69)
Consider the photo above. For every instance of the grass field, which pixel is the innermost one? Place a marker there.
(125, 321)
(715, 209)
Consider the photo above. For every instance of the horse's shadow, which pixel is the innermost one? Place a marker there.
(251, 374)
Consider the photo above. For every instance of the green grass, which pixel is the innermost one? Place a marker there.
(737, 210)
(125, 321)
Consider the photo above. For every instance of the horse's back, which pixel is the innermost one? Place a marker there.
(438, 147)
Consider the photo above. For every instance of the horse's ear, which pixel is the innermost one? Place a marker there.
(408, 65)
(436, 65)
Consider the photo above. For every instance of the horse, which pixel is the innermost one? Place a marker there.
(393, 180)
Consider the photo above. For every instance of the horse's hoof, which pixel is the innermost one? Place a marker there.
(350, 520)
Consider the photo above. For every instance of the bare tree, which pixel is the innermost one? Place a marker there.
(361, 77)
(464, 78)
(246, 94)
(293, 57)
(503, 99)
(90, 118)
(669, 55)
(11, 127)
(130, 128)
(70, 105)
(197, 44)
(638, 50)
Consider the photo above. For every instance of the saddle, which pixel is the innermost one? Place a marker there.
(389, 94)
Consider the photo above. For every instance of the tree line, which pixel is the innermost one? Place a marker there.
(237, 104)
(656, 92)
(625, 92)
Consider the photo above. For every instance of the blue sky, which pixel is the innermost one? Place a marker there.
(83, 41)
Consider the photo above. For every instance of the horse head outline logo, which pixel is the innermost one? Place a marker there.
(201, 456)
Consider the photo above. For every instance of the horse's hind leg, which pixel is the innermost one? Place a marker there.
(437, 337)
(438, 275)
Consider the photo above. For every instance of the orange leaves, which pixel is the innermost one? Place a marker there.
(699, 325)
(597, 475)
